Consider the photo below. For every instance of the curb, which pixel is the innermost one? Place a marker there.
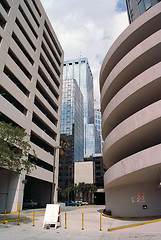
(133, 225)
(14, 220)
(131, 218)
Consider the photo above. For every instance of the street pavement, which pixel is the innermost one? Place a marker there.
(26, 231)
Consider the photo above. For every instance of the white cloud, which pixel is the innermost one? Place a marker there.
(86, 29)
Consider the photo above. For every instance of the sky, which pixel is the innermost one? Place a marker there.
(87, 28)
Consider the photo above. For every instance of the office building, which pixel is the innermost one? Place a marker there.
(135, 8)
(79, 70)
(130, 81)
(72, 128)
(31, 60)
(98, 124)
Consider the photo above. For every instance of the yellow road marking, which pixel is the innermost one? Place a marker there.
(133, 225)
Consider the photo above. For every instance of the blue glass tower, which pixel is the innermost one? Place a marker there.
(79, 69)
(72, 128)
(72, 117)
(98, 124)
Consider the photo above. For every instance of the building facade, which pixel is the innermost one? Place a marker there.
(79, 69)
(130, 81)
(31, 79)
(135, 8)
(98, 124)
(72, 128)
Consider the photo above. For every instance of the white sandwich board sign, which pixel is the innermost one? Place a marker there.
(52, 215)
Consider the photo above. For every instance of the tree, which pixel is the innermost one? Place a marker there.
(14, 148)
(64, 145)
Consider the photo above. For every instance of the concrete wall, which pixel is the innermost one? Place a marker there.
(84, 172)
(130, 81)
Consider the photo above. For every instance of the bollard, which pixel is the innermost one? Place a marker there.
(4, 216)
(18, 216)
(19, 206)
(100, 222)
(82, 221)
(65, 220)
(33, 218)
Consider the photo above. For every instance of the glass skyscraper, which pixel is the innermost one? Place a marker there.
(98, 124)
(79, 69)
(137, 7)
(72, 116)
(72, 128)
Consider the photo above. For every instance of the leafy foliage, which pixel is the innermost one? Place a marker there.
(14, 148)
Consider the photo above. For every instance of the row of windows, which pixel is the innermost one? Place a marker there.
(25, 34)
(138, 7)
(45, 111)
(48, 69)
(41, 143)
(28, 22)
(70, 63)
(46, 96)
(19, 64)
(5, 5)
(21, 46)
(40, 163)
(13, 100)
(47, 82)
(50, 59)
(43, 126)
(15, 80)
(36, 7)
(2, 21)
(31, 12)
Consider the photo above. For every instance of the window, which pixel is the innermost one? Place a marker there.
(34, 3)
(19, 64)
(32, 14)
(2, 21)
(48, 69)
(5, 5)
(52, 38)
(28, 22)
(16, 81)
(141, 7)
(51, 48)
(147, 4)
(20, 45)
(13, 100)
(25, 34)
(47, 82)
(50, 59)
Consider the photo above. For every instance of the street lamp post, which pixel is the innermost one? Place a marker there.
(53, 185)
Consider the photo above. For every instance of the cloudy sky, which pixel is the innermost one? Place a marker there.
(87, 28)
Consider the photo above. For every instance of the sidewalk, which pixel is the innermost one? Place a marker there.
(25, 231)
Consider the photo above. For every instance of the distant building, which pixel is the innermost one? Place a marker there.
(79, 70)
(92, 171)
(98, 124)
(31, 67)
(135, 8)
(72, 128)
(84, 172)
